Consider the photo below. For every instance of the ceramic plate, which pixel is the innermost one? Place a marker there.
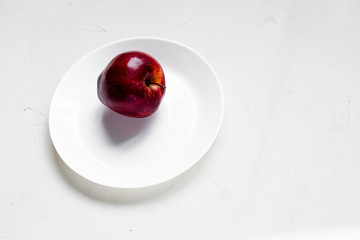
(122, 152)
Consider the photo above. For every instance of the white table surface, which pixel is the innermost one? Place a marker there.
(285, 165)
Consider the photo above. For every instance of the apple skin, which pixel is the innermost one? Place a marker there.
(132, 84)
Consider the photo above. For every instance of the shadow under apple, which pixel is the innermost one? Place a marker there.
(120, 129)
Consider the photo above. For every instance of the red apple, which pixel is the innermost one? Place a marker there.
(132, 84)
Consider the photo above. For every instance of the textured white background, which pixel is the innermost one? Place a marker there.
(286, 163)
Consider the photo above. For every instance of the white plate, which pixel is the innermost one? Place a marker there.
(122, 152)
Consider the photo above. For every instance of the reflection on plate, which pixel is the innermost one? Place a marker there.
(122, 152)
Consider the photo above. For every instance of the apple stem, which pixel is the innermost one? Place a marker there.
(148, 83)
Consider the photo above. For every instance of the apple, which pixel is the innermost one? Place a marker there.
(132, 84)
